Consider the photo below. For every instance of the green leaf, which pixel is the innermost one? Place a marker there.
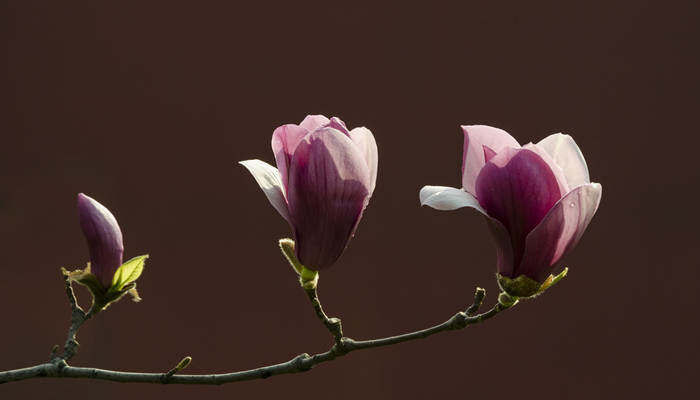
(129, 272)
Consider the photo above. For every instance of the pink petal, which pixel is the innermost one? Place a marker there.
(565, 152)
(285, 140)
(337, 123)
(517, 187)
(329, 186)
(489, 153)
(363, 138)
(313, 122)
(559, 231)
(475, 138)
(556, 169)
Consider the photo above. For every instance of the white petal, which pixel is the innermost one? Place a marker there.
(268, 177)
(565, 152)
(447, 198)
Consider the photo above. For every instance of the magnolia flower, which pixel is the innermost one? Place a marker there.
(324, 178)
(538, 200)
(104, 238)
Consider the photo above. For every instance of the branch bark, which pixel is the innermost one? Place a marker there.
(58, 367)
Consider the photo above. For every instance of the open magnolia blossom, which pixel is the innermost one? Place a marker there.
(324, 178)
(537, 198)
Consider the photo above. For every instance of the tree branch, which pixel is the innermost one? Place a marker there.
(300, 363)
(78, 318)
(332, 324)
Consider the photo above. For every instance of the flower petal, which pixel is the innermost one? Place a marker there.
(517, 187)
(337, 123)
(489, 153)
(104, 238)
(475, 138)
(313, 122)
(363, 138)
(559, 231)
(447, 198)
(565, 152)
(285, 140)
(329, 184)
(504, 247)
(556, 169)
(268, 177)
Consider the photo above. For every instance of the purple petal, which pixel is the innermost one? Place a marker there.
(559, 231)
(285, 140)
(104, 238)
(329, 185)
(269, 180)
(313, 122)
(504, 247)
(517, 187)
(363, 138)
(565, 152)
(475, 138)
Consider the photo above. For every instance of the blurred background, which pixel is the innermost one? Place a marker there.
(147, 107)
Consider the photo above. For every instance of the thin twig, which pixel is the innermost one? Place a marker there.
(300, 363)
(78, 318)
(332, 324)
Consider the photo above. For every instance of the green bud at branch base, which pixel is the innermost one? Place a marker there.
(308, 278)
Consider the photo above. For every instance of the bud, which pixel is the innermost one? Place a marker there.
(308, 278)
(104, 238)
(105, 276)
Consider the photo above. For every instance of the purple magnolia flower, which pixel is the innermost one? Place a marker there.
(324, 178)
(538, 198)
(104, 238)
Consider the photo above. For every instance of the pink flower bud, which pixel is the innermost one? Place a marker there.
(104, 238)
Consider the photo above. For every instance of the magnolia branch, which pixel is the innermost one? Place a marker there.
(57, 367)
(78, 318)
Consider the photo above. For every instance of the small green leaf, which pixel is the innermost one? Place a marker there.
(129, 272)
(87, 279)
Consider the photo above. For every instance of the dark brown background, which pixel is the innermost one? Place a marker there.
(148, 107)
